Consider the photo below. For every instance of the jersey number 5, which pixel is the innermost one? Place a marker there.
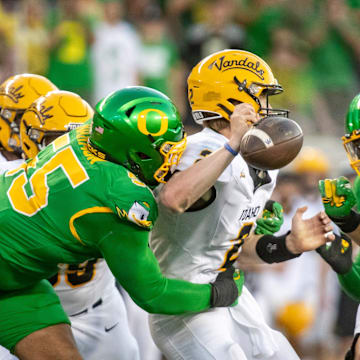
(65, 160)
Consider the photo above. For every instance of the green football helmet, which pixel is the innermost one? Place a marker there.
(139, 128)
(351, 139)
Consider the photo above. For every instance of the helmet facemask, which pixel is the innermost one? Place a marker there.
(351, 144)
(41, 138)
(351, 139)
(171, 152)
(254, 90)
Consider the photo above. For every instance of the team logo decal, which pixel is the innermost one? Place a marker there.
(223, 65)
(15, 94)
(142, 117)
(138, 214)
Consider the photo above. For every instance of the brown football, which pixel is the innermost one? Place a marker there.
(272, 143)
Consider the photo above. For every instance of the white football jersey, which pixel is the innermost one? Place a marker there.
(81, 286)
(195, 245)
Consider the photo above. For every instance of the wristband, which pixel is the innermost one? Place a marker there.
(348, 223)
(230, 149)
(272, 249)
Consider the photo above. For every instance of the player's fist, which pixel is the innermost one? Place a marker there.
(243, 117)
(337, 196)
(227, 287)
(271, 220)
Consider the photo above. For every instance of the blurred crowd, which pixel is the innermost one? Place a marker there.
(95, 46)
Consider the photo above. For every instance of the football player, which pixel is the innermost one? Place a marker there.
(208, 211)
(87, 291)
(339, 199)
(17, 93)
(85, 196)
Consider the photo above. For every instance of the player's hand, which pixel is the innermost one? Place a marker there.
(337, 196)
(227, 287)
(241, 120)
(338, 254)
(271, 220)
(309, 234)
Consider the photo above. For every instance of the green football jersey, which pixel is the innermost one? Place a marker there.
(41, 201)
(68, 205)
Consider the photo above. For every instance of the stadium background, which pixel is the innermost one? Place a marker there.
(313, 48)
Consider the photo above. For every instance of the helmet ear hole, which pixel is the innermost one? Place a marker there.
(234, 101)
(143, 156)
(129, 111)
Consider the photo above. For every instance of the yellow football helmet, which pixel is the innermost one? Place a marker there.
(16, 95)
(229, 77)
(49, 117)
(295, 318)
(311, 160)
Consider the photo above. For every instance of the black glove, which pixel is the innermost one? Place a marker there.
(224, 290)
(350, 355)
(338, 254)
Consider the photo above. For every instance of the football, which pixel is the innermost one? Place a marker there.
(272, 143)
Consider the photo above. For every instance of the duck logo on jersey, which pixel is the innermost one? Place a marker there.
(138, 214)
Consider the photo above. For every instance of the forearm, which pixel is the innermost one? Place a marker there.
(175, 297)
(187, 186)
(265, 249)
(248, 255)
(136, 268)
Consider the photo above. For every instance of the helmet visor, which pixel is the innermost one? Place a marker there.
(171, 152)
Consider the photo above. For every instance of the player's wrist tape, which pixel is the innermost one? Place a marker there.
(273, 249)
(224, 291)
(348, 223)
(230, 149)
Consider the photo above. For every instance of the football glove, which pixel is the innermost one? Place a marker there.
(338, 253)
(338, 199)
(271, 220)
(227, 287)
(337, 196)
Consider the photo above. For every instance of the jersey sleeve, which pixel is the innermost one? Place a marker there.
(350, 282)
(357, 192)
(200, 146)
(130, 259)
(132, 200)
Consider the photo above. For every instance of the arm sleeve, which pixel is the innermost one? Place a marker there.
(350, 282)
(125, 249)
